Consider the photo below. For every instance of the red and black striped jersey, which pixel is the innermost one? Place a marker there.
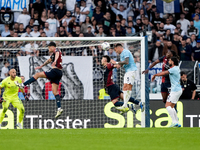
(59, 60)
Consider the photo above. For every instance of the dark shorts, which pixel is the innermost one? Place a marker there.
(165, 87)
(114, 91)
(54, 75)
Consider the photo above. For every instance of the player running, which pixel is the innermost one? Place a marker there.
(10, 95)
(176, 90)
(113, 90)
(165, 66)
(54, 75)
(126, 60)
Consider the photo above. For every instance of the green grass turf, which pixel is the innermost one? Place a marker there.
(101, 139)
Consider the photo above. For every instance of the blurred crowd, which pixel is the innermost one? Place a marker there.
(104, 18)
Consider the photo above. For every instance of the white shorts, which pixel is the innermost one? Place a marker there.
(174, 97)
(129, 77)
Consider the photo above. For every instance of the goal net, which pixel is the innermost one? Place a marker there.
(84, 101)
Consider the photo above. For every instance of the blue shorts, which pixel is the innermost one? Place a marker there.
(165, 87)
(114, 91)
(54, 75)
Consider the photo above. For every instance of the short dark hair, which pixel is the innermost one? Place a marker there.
(175, 60)
(52, 44)
(118, 44)
(183, 73)
(107, 57)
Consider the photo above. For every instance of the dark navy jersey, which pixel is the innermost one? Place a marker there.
(165, 66)
(59, 60)
(108, 75)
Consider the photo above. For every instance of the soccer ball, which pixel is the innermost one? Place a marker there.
(105, 46)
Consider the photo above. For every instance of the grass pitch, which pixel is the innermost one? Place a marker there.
(101, 139)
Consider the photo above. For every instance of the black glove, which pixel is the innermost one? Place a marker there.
(26, 97)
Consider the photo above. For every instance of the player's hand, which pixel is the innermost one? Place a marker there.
(26, 97)
(39, 67)
(53, 64)
(112, 61)
(117, 66)
(153, 78)
(145, 71)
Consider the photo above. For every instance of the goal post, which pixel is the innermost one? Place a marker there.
(75, 87)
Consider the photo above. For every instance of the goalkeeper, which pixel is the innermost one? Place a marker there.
(10, 95)
(113, 90)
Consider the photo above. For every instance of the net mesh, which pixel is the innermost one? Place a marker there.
(80, 86)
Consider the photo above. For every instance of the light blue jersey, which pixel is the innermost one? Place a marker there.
(174, 75)
(131, 65)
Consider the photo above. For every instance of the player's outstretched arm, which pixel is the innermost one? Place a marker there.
(151, 66)
(45, 63)
(121, 63)
(159, 74)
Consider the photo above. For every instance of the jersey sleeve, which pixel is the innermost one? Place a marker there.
(126, 54)
(20, 80)
(172, 70)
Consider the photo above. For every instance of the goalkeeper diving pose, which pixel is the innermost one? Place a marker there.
(54, 75)
(10, 95)
(127, 61)
(113, 90)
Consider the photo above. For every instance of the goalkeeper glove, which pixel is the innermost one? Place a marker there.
(26, 97)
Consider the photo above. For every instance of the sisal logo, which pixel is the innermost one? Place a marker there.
(162, 118)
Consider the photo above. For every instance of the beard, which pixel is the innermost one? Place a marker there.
(169, 47)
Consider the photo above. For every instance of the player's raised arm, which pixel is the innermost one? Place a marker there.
(160, 74)
(121, 63)
(151, 66)
(44, 64)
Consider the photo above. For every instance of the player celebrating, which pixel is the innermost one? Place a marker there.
(165, 66)
(54, 75)
(113, 90)
(10, 95)
(176, 90)
(126, 60)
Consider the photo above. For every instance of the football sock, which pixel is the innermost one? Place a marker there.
(118, 104)
(171, 113)
(127, 95)
(133, 101)
(58, 100)
(175, 115)
(29, 81)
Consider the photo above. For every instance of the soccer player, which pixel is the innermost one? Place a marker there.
(176, 90)
(165, 66)
(54, 75)
(126, 60)
(10, 95)
(113, 90)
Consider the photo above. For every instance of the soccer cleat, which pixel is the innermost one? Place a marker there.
(177, 125)
(122, 110)
(59, 112)
(21, 86)
(19, 125)
(141, 106)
